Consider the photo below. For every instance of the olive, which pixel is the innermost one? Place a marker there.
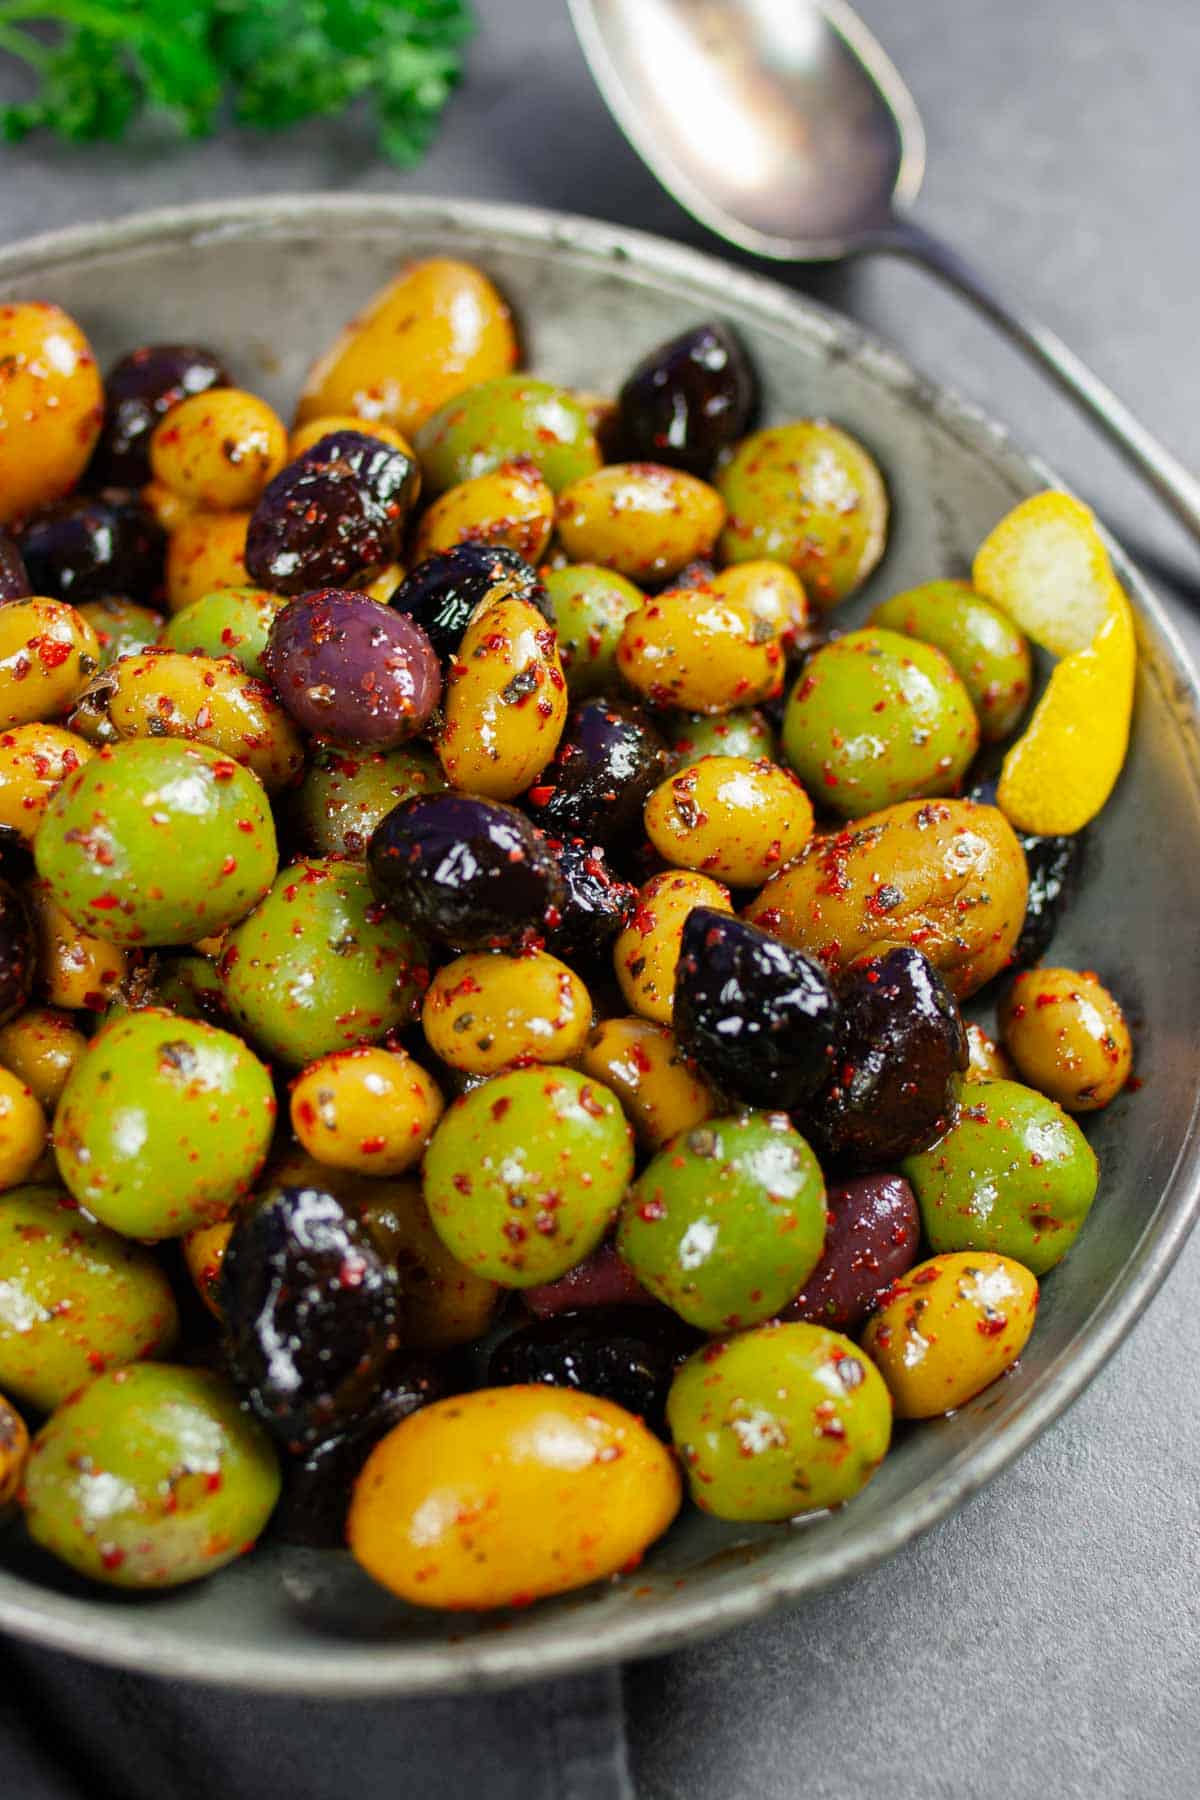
(122, 626)
(1067, 1036)
(1055, 866)
(333, 516)
(872, 1230)
(590, 605)
(508, 418)
(743, 732)
(645, 1066)
(311, 1313)
(228, 622)
(597, 904)
(687, 400)
(949, 1328)
(350, 669)
(442, 592)
(18, 952)
(86, 547)
(14, 577)
(53, 404)
(759, 1018)
(472, 872)
(899, 1047)
(345, 794)
(138, 391)
(609, 760)
(191, 987)
(627, 1354)
(601, 1280)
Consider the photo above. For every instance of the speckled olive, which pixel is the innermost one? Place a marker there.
(138, 391)
(76, 969)
(218, 449)
(14, 577)
(946, 875)
(743, 732)
(641, 518)
(949, 1328)
(334, 517)
(41, 1046)
(646, 1069)
(990, 656)
(203, 1253)
(876, 718)
(601, 1279)
(51, 405)
(232, 622)
(809, 495)
(191, 987)
(319, 965)
(472, 872)
(646, 954)
(206, 551)
(590, 606)
(75, 1299)
(368, 1109)
(345, 794)
(444, 592)
(443, 1303)
(525, 1173)
(151, 1477)
(34, 758)
(596, 905)
(784, 1420)
(122, 626)
(511, 506)
(1013, 1174)
(311, 1312)
(691, 648)
(438, 328)
(510, 418)
(609, 760)
(22, 1131)
(506, 702)
(624, 1354)
(687, 399)
(758, 1017)
(727, 1222)
(14, 1454)
(488, 1009)
(1067, 1036)
(88, 546)
(163, 1124)
(872, 1232)
(350, 669)
(441, 1511)
(729, 817)
(773, 593)
(986, 1060)
(899, 1050)
(47, 652)
(156, 841)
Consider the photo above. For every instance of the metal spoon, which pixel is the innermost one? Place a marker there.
(784, 127)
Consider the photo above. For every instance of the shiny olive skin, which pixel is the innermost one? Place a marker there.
(687, 400)
(759, 1019)
(18, 952)
(990, 656)
(345, 793)
(499, 421)
(986, 1060)
(899, 1050)
(163, 1124)
(48, 651)
(444, 592)
(489, 1009)
(1067, 1036)
(646, 1068)
(949, 1328)
(22, 1132)
(1055, 867)
(51, 401)
(701, 651)
(151, 1477)
(41, 1046)
(369, 1110)
(155, 841)
(138, 391)
(808, 495)
(85, 547)
(731, 817)
(14, 1454)
(646, 954)
(625, 1354)
(876, 718)
(444, 1304)
(779, 1421)
(1013, 1174)
(122, 626)
(596, 904)
(601, 1280)
(218, 450)
(641, 519)
(525, 1173)
(333, 517)
(319, 966)
(230, 622)
(33, 760)
(506, 701)
(609, 760)
(205, 552)
(743, 732)
(76, 969)
(590, 605)
(311, 1313)
(873, 1230)
(75, 1298)
(471, 872)
(727, 1222)
(349, 669)
(510, 506)
(14, 577)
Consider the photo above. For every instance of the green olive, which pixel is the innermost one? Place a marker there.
(990, 656)
(590, 606)
(345, 793)
(229, 622)
(121, 626)
(510, 418)
(743, 732)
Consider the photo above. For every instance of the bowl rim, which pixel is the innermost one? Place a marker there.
(130, 1640)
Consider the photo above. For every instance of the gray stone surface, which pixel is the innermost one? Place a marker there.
(1047, 1640)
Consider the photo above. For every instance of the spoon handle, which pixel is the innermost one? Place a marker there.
(1165, 473)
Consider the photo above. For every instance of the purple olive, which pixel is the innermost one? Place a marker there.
(138, 392)
(597, 906)
(14, 578)
(602, 1279)
(609, 760)
(442, 592)
(687, 400)
(88, 548)
(350, 669)
(334, 516)
(872, 1232)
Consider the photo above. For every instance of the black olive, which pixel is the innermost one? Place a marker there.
(609, 760)
(627, 1354)
(900, 1044)
(687, 400)
(442, 592)
(84, 548)
(18, 953)
(472, 872)
(598, 903)
(14, 577)
(758, 1017)
(311, 1313)
(333, 517)
(139, 390)
(1055, 865)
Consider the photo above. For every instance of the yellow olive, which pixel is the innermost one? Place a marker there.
(22, 1130)
(14, 1454)
(488, 1009)
(34, 758)
(204, 1252)
(168, 507)
(47, 652)
(444, 1303)
(505, 702)
(986, 1060)
(385, 583)
(219, 449)
(690, 648)
(641, 519)
(371, 1110)
(1068, 1037)
(41, 1046)
(313, 430)
(511, 506)
(646, 953)
(949, 1328)
(76, 970)
(648, 1072)
(772, 591)
(51, 405)
(206, 551)
(730, 817)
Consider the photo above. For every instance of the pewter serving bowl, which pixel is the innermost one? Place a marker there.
(267, 283)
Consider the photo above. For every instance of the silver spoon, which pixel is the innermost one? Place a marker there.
(784, 127)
